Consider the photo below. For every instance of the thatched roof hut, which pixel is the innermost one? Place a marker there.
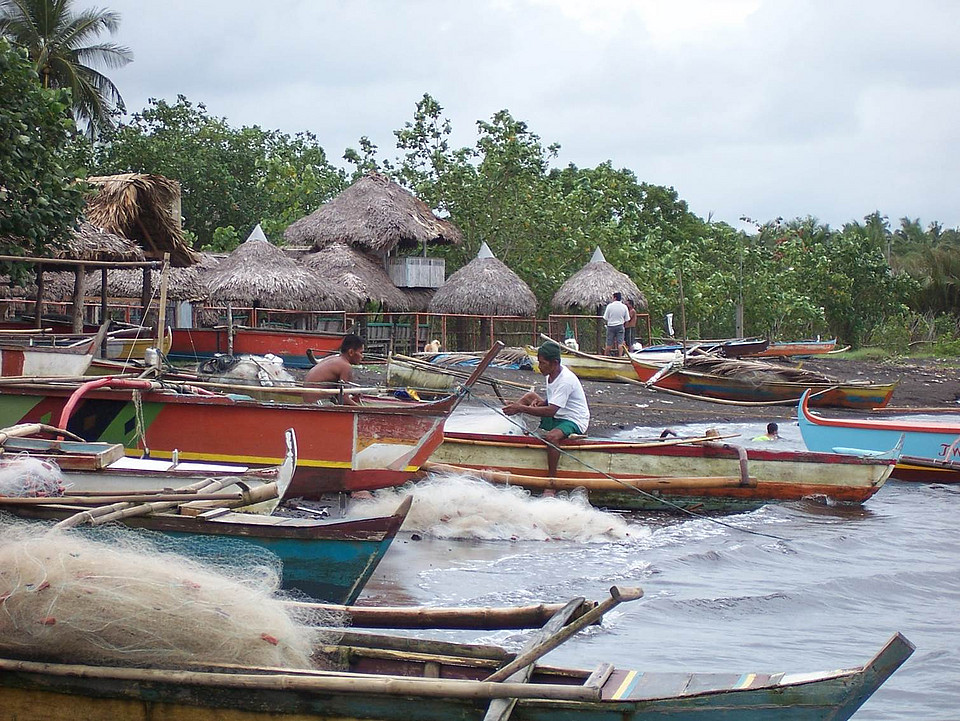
(374, 214)
(182, 283)
(143, 208)
(418, 299)
(361, 273)
(485, 286)
(594, 285)
(89, 242)
(258, 274)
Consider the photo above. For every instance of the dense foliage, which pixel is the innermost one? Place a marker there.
(793, 279)
(63, 47)
(40, 199)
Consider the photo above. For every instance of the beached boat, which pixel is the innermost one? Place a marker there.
(122, 344)
(588, 366)
(931, 449)
(198, 344)
(788, 349)
(393, 679)
(758, 382)
(32, 357)
(690, 473)
(341, 447)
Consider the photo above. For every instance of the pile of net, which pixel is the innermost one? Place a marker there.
(67, 596)
(24, 477)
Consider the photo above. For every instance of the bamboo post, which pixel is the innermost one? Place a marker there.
(162, 311)
(229, 327)
(76, 307)
(103, 309)
(145, 294)
(38, 306)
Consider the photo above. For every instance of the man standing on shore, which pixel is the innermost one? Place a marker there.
(564, 411)
(630, 327)
(615, 315)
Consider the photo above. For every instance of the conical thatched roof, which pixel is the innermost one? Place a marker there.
(89, 242)
(418, 299)
(259, 274)
(143, 208)
(362, 274)
(594, 285)
(485, 286)
(375, 214)
(182, 283)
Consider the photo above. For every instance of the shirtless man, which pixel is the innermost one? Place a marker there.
(339, 368)
(563, 411)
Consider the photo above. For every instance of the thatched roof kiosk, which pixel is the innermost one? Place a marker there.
(485, 286)
(260, 275)
(593, 286)
(88, 242)
(418, 298)
(182, 283)
(361, 273)
(374, 214)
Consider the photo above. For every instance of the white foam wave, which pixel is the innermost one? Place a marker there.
(456, 506)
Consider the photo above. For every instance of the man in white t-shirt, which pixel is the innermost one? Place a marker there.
(615, 315)
(564, 410)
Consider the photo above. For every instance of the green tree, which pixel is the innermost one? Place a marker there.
(63, 48)
(228, 176)
(40, 199)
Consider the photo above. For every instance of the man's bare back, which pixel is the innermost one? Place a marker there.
(333, 369)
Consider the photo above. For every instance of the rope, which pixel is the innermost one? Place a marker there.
(649, 495)
(138, 417)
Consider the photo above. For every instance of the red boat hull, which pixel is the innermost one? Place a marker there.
(200, 343)
(340, 448)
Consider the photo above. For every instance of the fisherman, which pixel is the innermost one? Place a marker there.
(630, 327)
(772, 434)
(339, 368)
(563, 412)
(615, 315)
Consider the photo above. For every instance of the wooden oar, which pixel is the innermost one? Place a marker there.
(501, 708)
(617, 596)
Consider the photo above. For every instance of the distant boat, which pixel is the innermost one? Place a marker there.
(198, 344)
(687, 472)
(29, 356)
(931, 449)
(588, 366)
(747, 382)
(785, 349)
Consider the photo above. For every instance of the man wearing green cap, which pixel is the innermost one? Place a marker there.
(564, 411)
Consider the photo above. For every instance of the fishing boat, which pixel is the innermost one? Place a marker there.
(588, 366)
(31, 356)
(122, 344)
(750, 382)
(395, 679)
(341, 447)
(788, 349)
(931, 449)
(198, 344)
(662, 475)
(328, 559)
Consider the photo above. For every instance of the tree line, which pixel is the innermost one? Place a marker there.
(868, 282)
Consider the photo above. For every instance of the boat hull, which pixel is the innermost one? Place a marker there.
(31, 691)
(40, 362)
(836, 395)
(779, 475)
(592, 368)
(795, 348)
(198, 344)
(341, 448)
(931, 450)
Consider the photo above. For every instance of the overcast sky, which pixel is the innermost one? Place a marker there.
(764, 108)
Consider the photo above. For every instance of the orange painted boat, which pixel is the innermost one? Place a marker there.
(198, 344)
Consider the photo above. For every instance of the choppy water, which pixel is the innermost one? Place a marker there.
(827, 596)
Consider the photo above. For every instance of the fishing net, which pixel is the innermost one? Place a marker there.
(24, 477)
(70, 597)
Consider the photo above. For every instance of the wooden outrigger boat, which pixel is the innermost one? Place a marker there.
(790, 349)
(695, 474)
(758, 384)
(30, 356)
(588, 366)
(931, 449)
(394, 679)
(121, 344)
(198, 344)
(328, 559)
(342, 448)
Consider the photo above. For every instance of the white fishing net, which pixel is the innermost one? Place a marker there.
(24, 477)
(68, 597)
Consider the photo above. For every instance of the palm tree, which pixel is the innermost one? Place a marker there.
(59, 44)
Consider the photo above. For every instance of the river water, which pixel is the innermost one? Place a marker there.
(825, 594)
